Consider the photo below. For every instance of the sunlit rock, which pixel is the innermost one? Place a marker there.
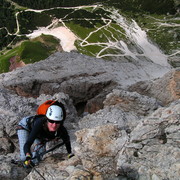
(154, 143)
(98, 147)
(165, 89)
(131, 101)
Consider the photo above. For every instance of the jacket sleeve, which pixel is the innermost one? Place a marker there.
(32, 136)
(66, 139)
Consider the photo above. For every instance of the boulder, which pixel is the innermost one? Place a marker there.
(99, 146)
(80, 76)
(6, 146)
(123, 108)
(131, 101)
(165, 89)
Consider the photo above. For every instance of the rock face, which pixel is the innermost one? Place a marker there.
(150, 151)
(123, 118)
(166, 89)
(131, 101)
(99, 146)
(79, 76)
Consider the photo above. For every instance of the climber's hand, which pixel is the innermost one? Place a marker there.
(27, 162)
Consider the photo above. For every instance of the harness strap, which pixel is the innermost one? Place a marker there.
(19, 127)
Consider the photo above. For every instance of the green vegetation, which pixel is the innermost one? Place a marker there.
(167, 37)
(7, 16)
(31, 20)
(151, 6)
(7, 22)
(113, 33)
(4, 59)
(90, 50)
(150, 15)
(59, 13)
(41, 4)
(5, 38)
(30, 51)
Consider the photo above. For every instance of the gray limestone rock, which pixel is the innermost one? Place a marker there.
(150, 151)
(122, 134)
(81, 77)
(165, 89)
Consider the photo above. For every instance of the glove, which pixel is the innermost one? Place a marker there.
(27, 162)
(70, 155)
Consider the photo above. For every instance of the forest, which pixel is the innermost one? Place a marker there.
(7, 21)
(8, 11)
(129, 5)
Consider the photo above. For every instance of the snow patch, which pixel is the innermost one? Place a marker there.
(66, 37)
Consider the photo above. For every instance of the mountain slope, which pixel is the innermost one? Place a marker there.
(133, 30)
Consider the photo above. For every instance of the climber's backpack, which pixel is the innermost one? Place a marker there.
(42, 109)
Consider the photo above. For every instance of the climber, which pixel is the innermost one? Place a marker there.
(38, 130)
